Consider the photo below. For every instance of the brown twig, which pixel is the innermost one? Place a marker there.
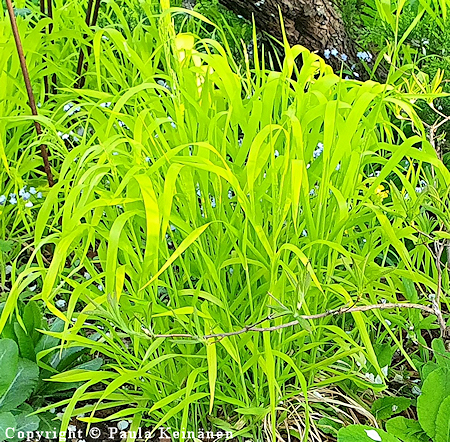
(26, 78)
(89, 22)
(254, 328)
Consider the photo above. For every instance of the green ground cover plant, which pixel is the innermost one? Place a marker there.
(237, 246)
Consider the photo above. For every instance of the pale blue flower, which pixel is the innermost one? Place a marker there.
(29, 204)
(68, 106)
(86, 275)
(100, 287)
(326, 53)
(33, 190)
(26, 196)
(2, 200)
(334, 52)
(344, 57)
(39, 195)
(318, 151)
(60, 303)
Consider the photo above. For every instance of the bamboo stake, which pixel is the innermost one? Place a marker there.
(31, 100)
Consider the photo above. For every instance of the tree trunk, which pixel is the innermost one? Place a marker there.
(314, 24)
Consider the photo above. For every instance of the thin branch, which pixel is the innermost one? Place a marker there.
(89, 22)
(31, 100)
(254, 328)
(81, 56)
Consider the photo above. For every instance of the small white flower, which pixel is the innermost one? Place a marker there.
(107, 104)
(373, 435)
(2, 200)
(394, 408)
(304, 232)
(147, 159)
(100, 287)
(12, 200)
(39, 195)
(277, 154)
(388, 323)
(32, 288)
(29, 204)
(115, 153)
(230, 194)
(123, 425)
(231, 270)
(370, 377)
(416, 390)
(318, 151)
(384, 370)
(65, 137)
(68, 106)
(8, 269)
(33, 190)
(86, 275)
(52, 410)
(60, 303)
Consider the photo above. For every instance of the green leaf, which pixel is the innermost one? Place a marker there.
(7, 420)
(440, 353)
(26, 345)
(9, 359)
(5, 246)
(385, 407)
(24, 423)
(32, 318)
(364, 433)
(328, 426)
(443, 422)
(21, 385)
(435, 389)
(407, 430)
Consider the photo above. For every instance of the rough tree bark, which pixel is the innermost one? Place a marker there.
(315, 24)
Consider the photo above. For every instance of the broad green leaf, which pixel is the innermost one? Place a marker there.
(435, 390)
(364, 433)
(21, 386)
(9, 360)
